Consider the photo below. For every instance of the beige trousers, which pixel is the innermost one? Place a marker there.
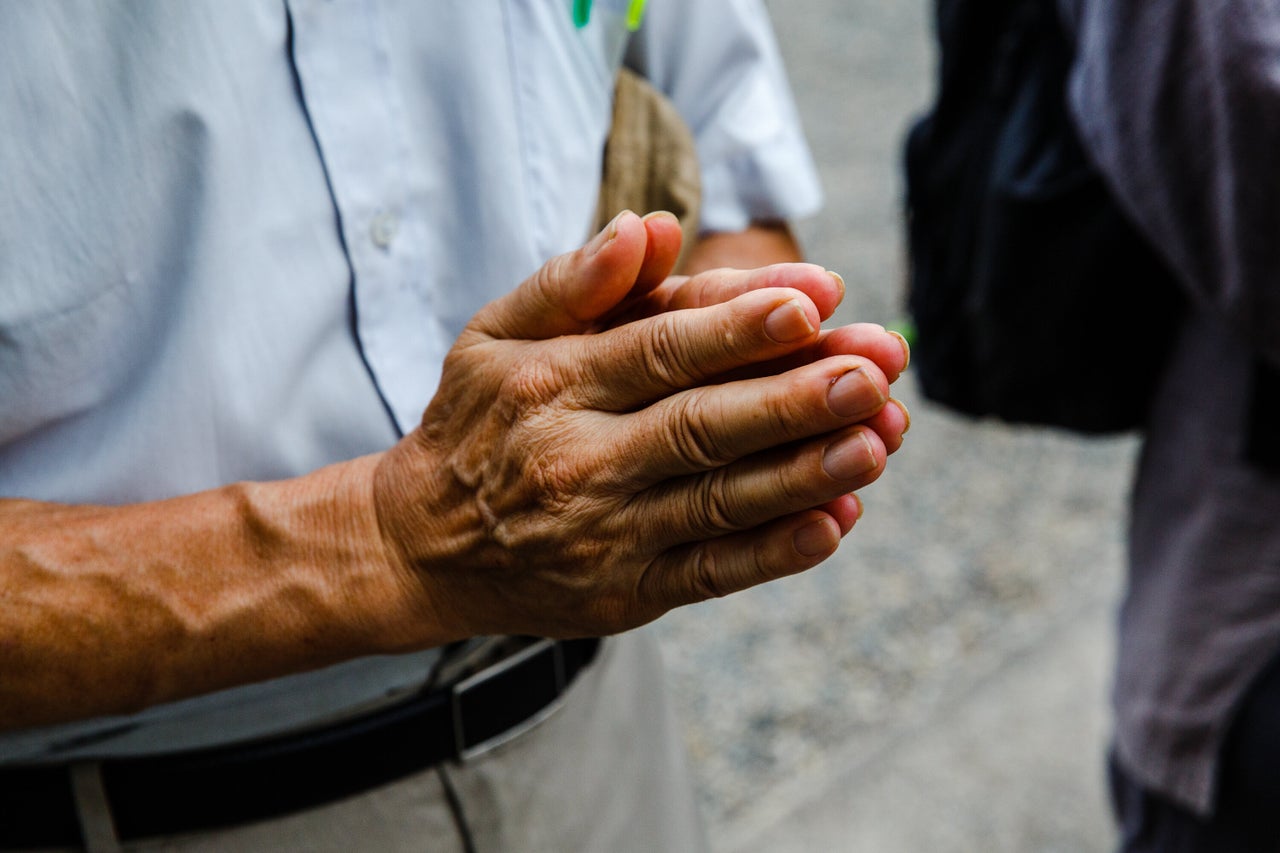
(605, 774)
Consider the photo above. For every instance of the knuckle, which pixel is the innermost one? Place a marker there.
(666, 354)
(549, 280)
(555, 480)
(713, 508)
(785, 416)
(692, 431)
(529, 383)
(705, 575)
(572, 484)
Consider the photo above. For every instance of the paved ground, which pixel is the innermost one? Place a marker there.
(939, 685)
(1008, 765)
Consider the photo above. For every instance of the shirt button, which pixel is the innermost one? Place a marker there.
(383, 229)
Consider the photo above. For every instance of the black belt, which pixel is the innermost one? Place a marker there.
(222, 786)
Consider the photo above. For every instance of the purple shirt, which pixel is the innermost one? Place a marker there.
(1179, 104)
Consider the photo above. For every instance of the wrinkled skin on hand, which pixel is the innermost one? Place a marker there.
(609, 442)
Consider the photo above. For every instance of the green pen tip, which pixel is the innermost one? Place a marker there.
(635, 14)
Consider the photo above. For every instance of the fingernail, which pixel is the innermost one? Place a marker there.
(657, 214)
(606, 235)
(906, 414)
(814, 540)
(788, 322)
(854, 394)
(906, 348)
(851, 456)
(839, 281)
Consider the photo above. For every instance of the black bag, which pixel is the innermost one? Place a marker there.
(1034, 299)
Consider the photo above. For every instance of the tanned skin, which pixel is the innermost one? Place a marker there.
(608, 442)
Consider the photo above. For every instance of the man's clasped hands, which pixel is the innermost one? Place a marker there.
(607, 442)
(610, 441)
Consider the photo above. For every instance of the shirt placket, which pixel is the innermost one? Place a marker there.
(353, 103)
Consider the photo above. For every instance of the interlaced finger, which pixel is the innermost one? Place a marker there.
(714, 287)
(757, 490)
(713, 426)
(647, 360)
(717, 567)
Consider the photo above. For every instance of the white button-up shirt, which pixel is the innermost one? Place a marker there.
(237, 239)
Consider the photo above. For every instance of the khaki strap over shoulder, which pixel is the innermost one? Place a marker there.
(650, 162)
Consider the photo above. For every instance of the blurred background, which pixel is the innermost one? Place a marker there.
(940, 684)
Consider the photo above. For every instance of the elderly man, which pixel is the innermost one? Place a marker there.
(253, 597)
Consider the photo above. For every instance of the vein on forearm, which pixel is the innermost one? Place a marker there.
(111, 609)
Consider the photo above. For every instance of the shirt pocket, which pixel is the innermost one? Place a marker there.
(563, 79)
(86, 198)
(64, 349)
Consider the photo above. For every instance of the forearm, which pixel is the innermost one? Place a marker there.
(761, 244)
(562, 483)
(111, 609)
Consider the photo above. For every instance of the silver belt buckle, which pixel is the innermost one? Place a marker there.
(467, 751)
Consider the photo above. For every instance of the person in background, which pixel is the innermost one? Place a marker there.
(291, 477)
(1179, 106)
